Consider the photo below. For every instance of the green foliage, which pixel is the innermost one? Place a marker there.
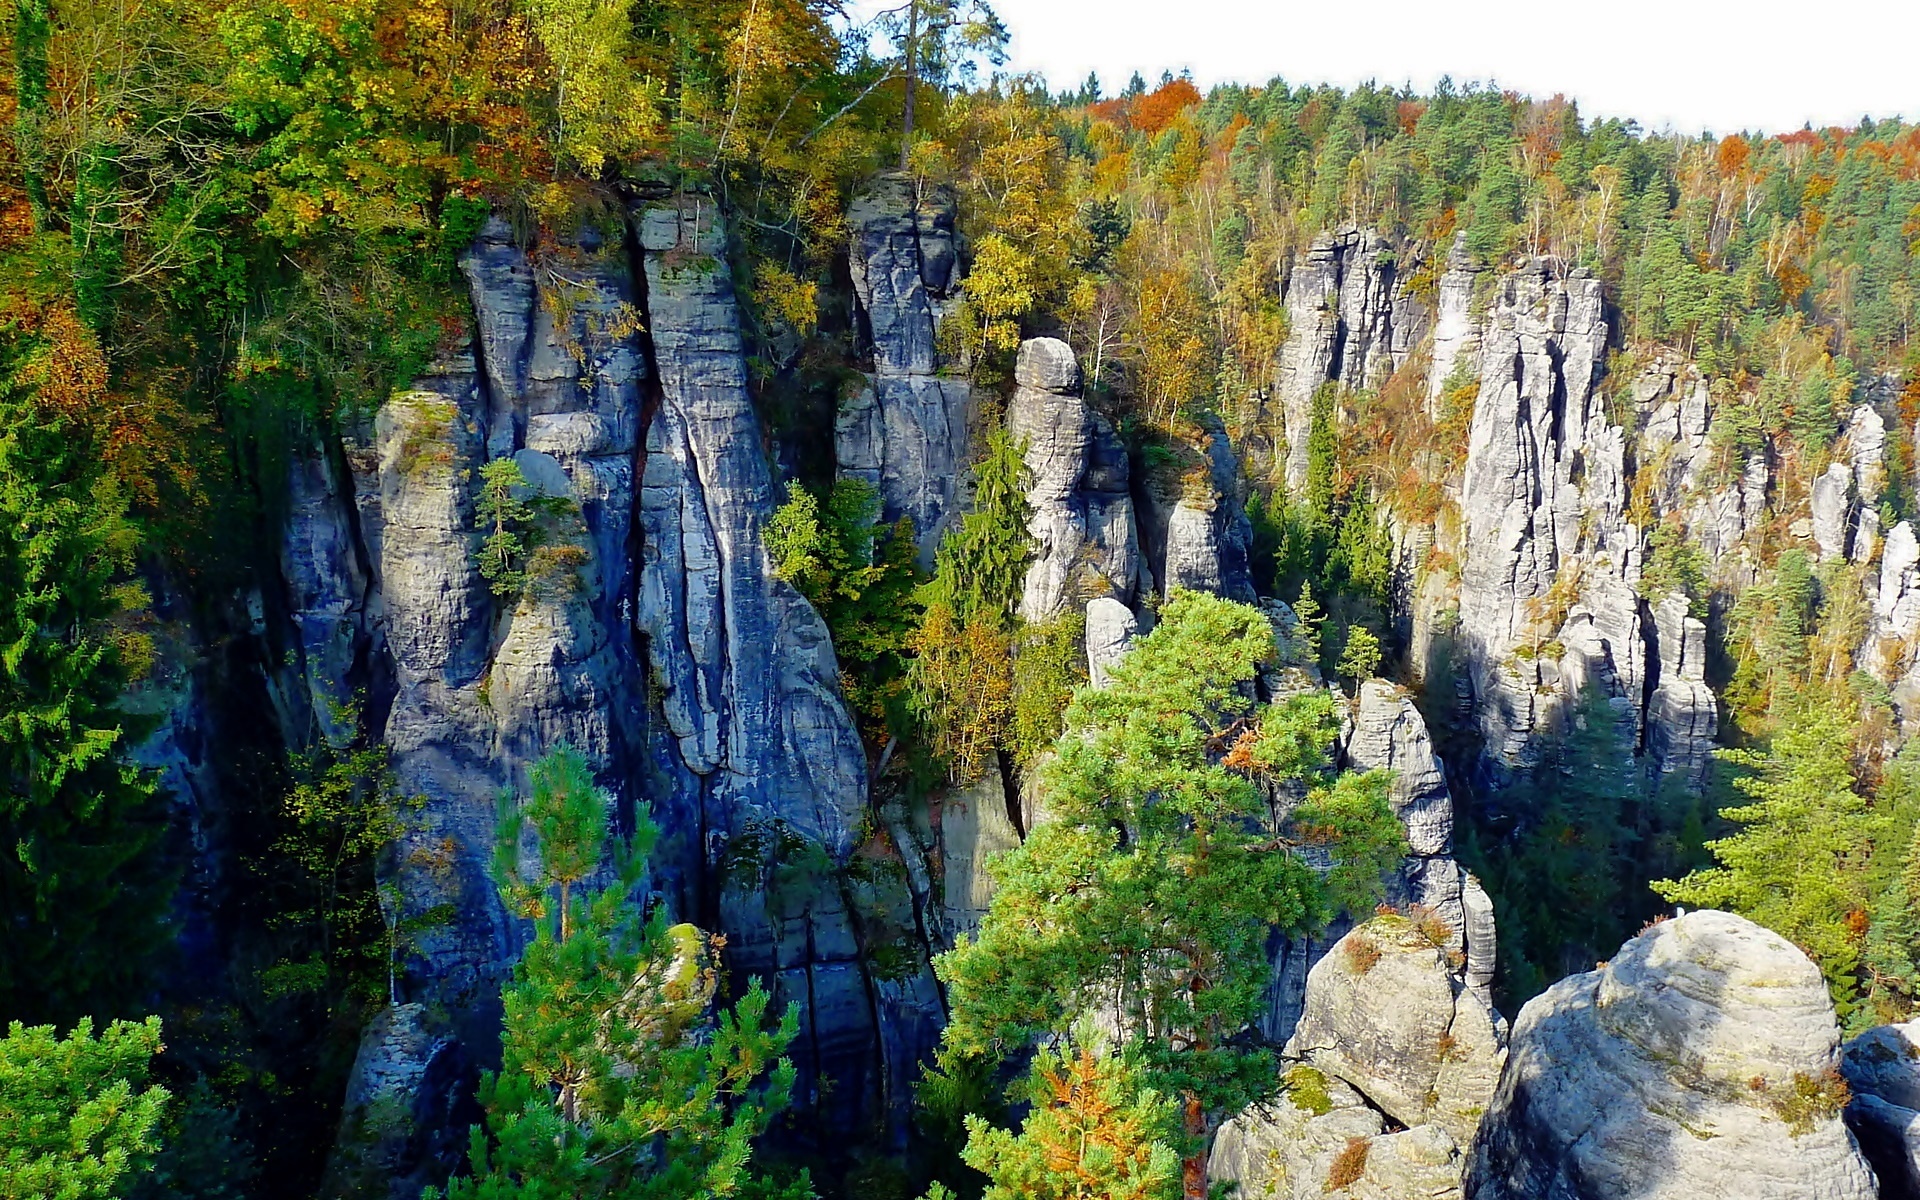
(963, 682)
(1675, 564)
(77, 1118)
(613, 1081)
(1797, 860)
(1354, 817)
(528, 546)
(981, 565)
(1565, 867)
(1094, 1130)
(78, 820)
(205, 1155)
(1360, 657)
(318, 881)
(1049, 662)
(862, 579)
(1150, 893)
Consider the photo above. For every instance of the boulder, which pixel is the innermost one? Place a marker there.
(1700, 1064)
(1387, 1012)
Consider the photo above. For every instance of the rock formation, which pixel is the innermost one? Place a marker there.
(1882, 1067)
(906, 431)
(659, 644)
(1086, 542)
(1389, 1013)
(1700, 1062)
(1350, 320)
(1390, 1027)
(1320, 1137)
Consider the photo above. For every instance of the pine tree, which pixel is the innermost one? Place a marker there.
(1093, 1131)
(1796, 863)
(77, 1118)
(78, 821)
(613, 1082)
(1150, 892)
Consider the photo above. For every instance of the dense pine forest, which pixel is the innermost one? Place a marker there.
(644, 598)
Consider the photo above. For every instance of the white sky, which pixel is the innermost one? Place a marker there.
(1720, 65)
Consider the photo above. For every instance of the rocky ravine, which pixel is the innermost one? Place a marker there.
(664, 648)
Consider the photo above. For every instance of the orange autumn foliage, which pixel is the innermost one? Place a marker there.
(1155, 111)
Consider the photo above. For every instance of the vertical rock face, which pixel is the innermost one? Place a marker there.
(1351, 321)
(747, 667)
(765, 758)
(1544, 485)
(1389, 734)
(1456, 335)
(660, 645)
(974, 823)
(1203, 542)
(1682, 715)
(1698, 1063)
(1086, 542)
(906, 431)
(1833, 512)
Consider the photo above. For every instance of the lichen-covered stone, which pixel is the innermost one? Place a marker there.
(1386, 1012)
(1697, 1065)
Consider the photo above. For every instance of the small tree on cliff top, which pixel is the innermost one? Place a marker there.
(612, 1083)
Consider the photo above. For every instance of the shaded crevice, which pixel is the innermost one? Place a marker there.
(1010, 790)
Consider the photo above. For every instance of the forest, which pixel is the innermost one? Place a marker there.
(244, 246)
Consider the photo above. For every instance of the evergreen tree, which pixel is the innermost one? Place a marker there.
(1797, 861)
(613, 1083)
(1093, 1131)
(1150, 893)
(77, 1118)
(82, 893)
(1563, 873)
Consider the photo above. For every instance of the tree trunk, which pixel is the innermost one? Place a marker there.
(1193, 1170)
(913, 80)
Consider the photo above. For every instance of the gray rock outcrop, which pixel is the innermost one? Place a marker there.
(1832, 502)
(1682, 714)
(1699, 1063)
(1086, 543)
(1320, 1131)
(1350, 320)
(1388, 733)
(652, 636)
(1111, 629)
(1201, 539)
(1547, 599)
(1456, 334)
(906, 430)
(974, 824)
(1387, 1013)
(1882, 1067)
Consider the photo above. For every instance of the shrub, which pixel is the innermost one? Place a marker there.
(1361, 953)
(1348, 1165)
